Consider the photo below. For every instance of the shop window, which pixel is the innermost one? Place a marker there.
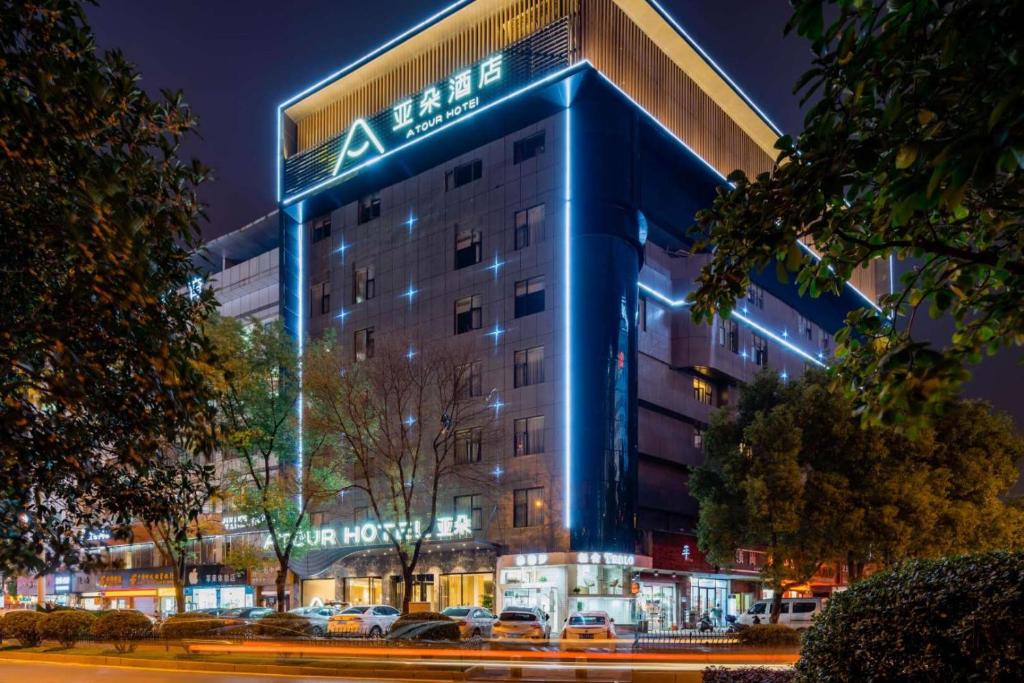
(468, 314)
(468, 445)
(362, 590)
(369, 208)
(528, 507)
(472, 507)
(469, 380)
(760, 345)
(529, 296)
(528, 367)
(755, 296)
(365, 284)
(467, 589)
(463, 174)
(529, 435)
(364, 344)
(529, 226)
(321, 228)
(468, 248)
(527, 148)
(702, 390)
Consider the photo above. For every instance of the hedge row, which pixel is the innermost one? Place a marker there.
(120, 627)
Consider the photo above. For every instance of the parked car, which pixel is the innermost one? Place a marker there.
(474, 622)
(213, 611)
(318, 617)
(796, 613)
(246, 614)
(594, 625)
(363, 620)
(522, 622)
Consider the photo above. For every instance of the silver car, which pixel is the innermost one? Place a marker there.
(317, 617)
(474, 622)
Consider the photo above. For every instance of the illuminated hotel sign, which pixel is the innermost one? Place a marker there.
(459, 527)
(434, 106)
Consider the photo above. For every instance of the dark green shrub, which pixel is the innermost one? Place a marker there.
(122, 628)
(23, 626)
(955, 619)
(67, 627)
(425, 626)
(283, 625)
(768, 635)
(750, 674)
(191, 625)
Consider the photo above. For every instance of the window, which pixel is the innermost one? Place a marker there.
(469, 380)
(529, 226)
(698, 438)
(529, 296)
(826, 343)
(468, 314)
(804, 328)
(641, 313)
(472, 507)
(321, 228)
(702, 390)
(468, 248)
(527, 148)
(463, 174)
(365, 285)
(320, 298)
(529, 367)
(360, 514)
(528, 507)
(755, 296)
(468, 445)
(364, 344)
(369, 208)
(803, 607)
(529, 435)
(760, 349)
(729, 334)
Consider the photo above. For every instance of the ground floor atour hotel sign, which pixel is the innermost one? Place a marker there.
(368, 534)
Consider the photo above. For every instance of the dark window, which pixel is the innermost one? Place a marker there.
(469, 381)
(472, 507)
(529, 296)
(360, 514)
(803, 607)
(785, 608)
(321, 228)
(804, 327)
(364, 344)
(529, 435)
(468, 248)
(641, 313)
(702, 390)
(369, 208)
(463, 174)
(529, 367)
(529, 226)
(760, 349)
(528, 507)
(365, 286)
(325, 298)
(320, 298)
(527, 148)
(729, 334)
(698, 438)
(468, 314)
(758, 608)
(826, 342)
(468, 445)
(755, 296)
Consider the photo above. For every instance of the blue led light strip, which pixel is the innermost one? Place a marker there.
(789, 346)
(567, 274)
(300, 333)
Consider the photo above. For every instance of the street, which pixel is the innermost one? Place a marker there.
(25, 672)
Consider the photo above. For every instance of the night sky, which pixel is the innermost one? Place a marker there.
(235, 61)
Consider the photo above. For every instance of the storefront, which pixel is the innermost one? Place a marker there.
(562, 583)
(210, 586)
(150, 591)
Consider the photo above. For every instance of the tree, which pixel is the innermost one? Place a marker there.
(264, 476)
(914, 149)
(173, 493)
(97, 336)
(398, 419)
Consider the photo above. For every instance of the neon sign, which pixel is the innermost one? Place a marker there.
(375, 533)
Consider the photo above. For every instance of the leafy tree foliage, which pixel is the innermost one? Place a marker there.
(914, 148)
(794, 471)
(264, 477)
(97, 337)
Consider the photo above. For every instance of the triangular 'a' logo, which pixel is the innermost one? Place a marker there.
(354, 151)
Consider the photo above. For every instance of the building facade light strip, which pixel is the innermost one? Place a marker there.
(300, 344)
(567, 270)
(849, 284)
(550, 78)
(786, 344)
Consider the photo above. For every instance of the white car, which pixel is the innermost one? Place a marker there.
(474, 622)
(363, 620)
(522, 622)
(318, 617)
(589, 626)
(796, 613)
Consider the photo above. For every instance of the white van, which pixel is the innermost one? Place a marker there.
(796, 612)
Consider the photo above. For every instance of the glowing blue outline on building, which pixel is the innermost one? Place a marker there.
(567, 274)
(299, 333)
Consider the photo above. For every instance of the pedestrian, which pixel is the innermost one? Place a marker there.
(716, 615)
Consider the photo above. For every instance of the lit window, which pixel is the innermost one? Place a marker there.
(529, 226)
(529, 435)
(527, 148)
(468, 314)
(364, 344)
(529, 367)
(463, 174)
(529, 296)
(702, 390)
(472, 507)
(468, 445)
(365, 286)
(528, 507)
(468, 248)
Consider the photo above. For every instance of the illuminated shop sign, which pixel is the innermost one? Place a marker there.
(535, 559)
(375, 533)
(235, 522)
(62, 583)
